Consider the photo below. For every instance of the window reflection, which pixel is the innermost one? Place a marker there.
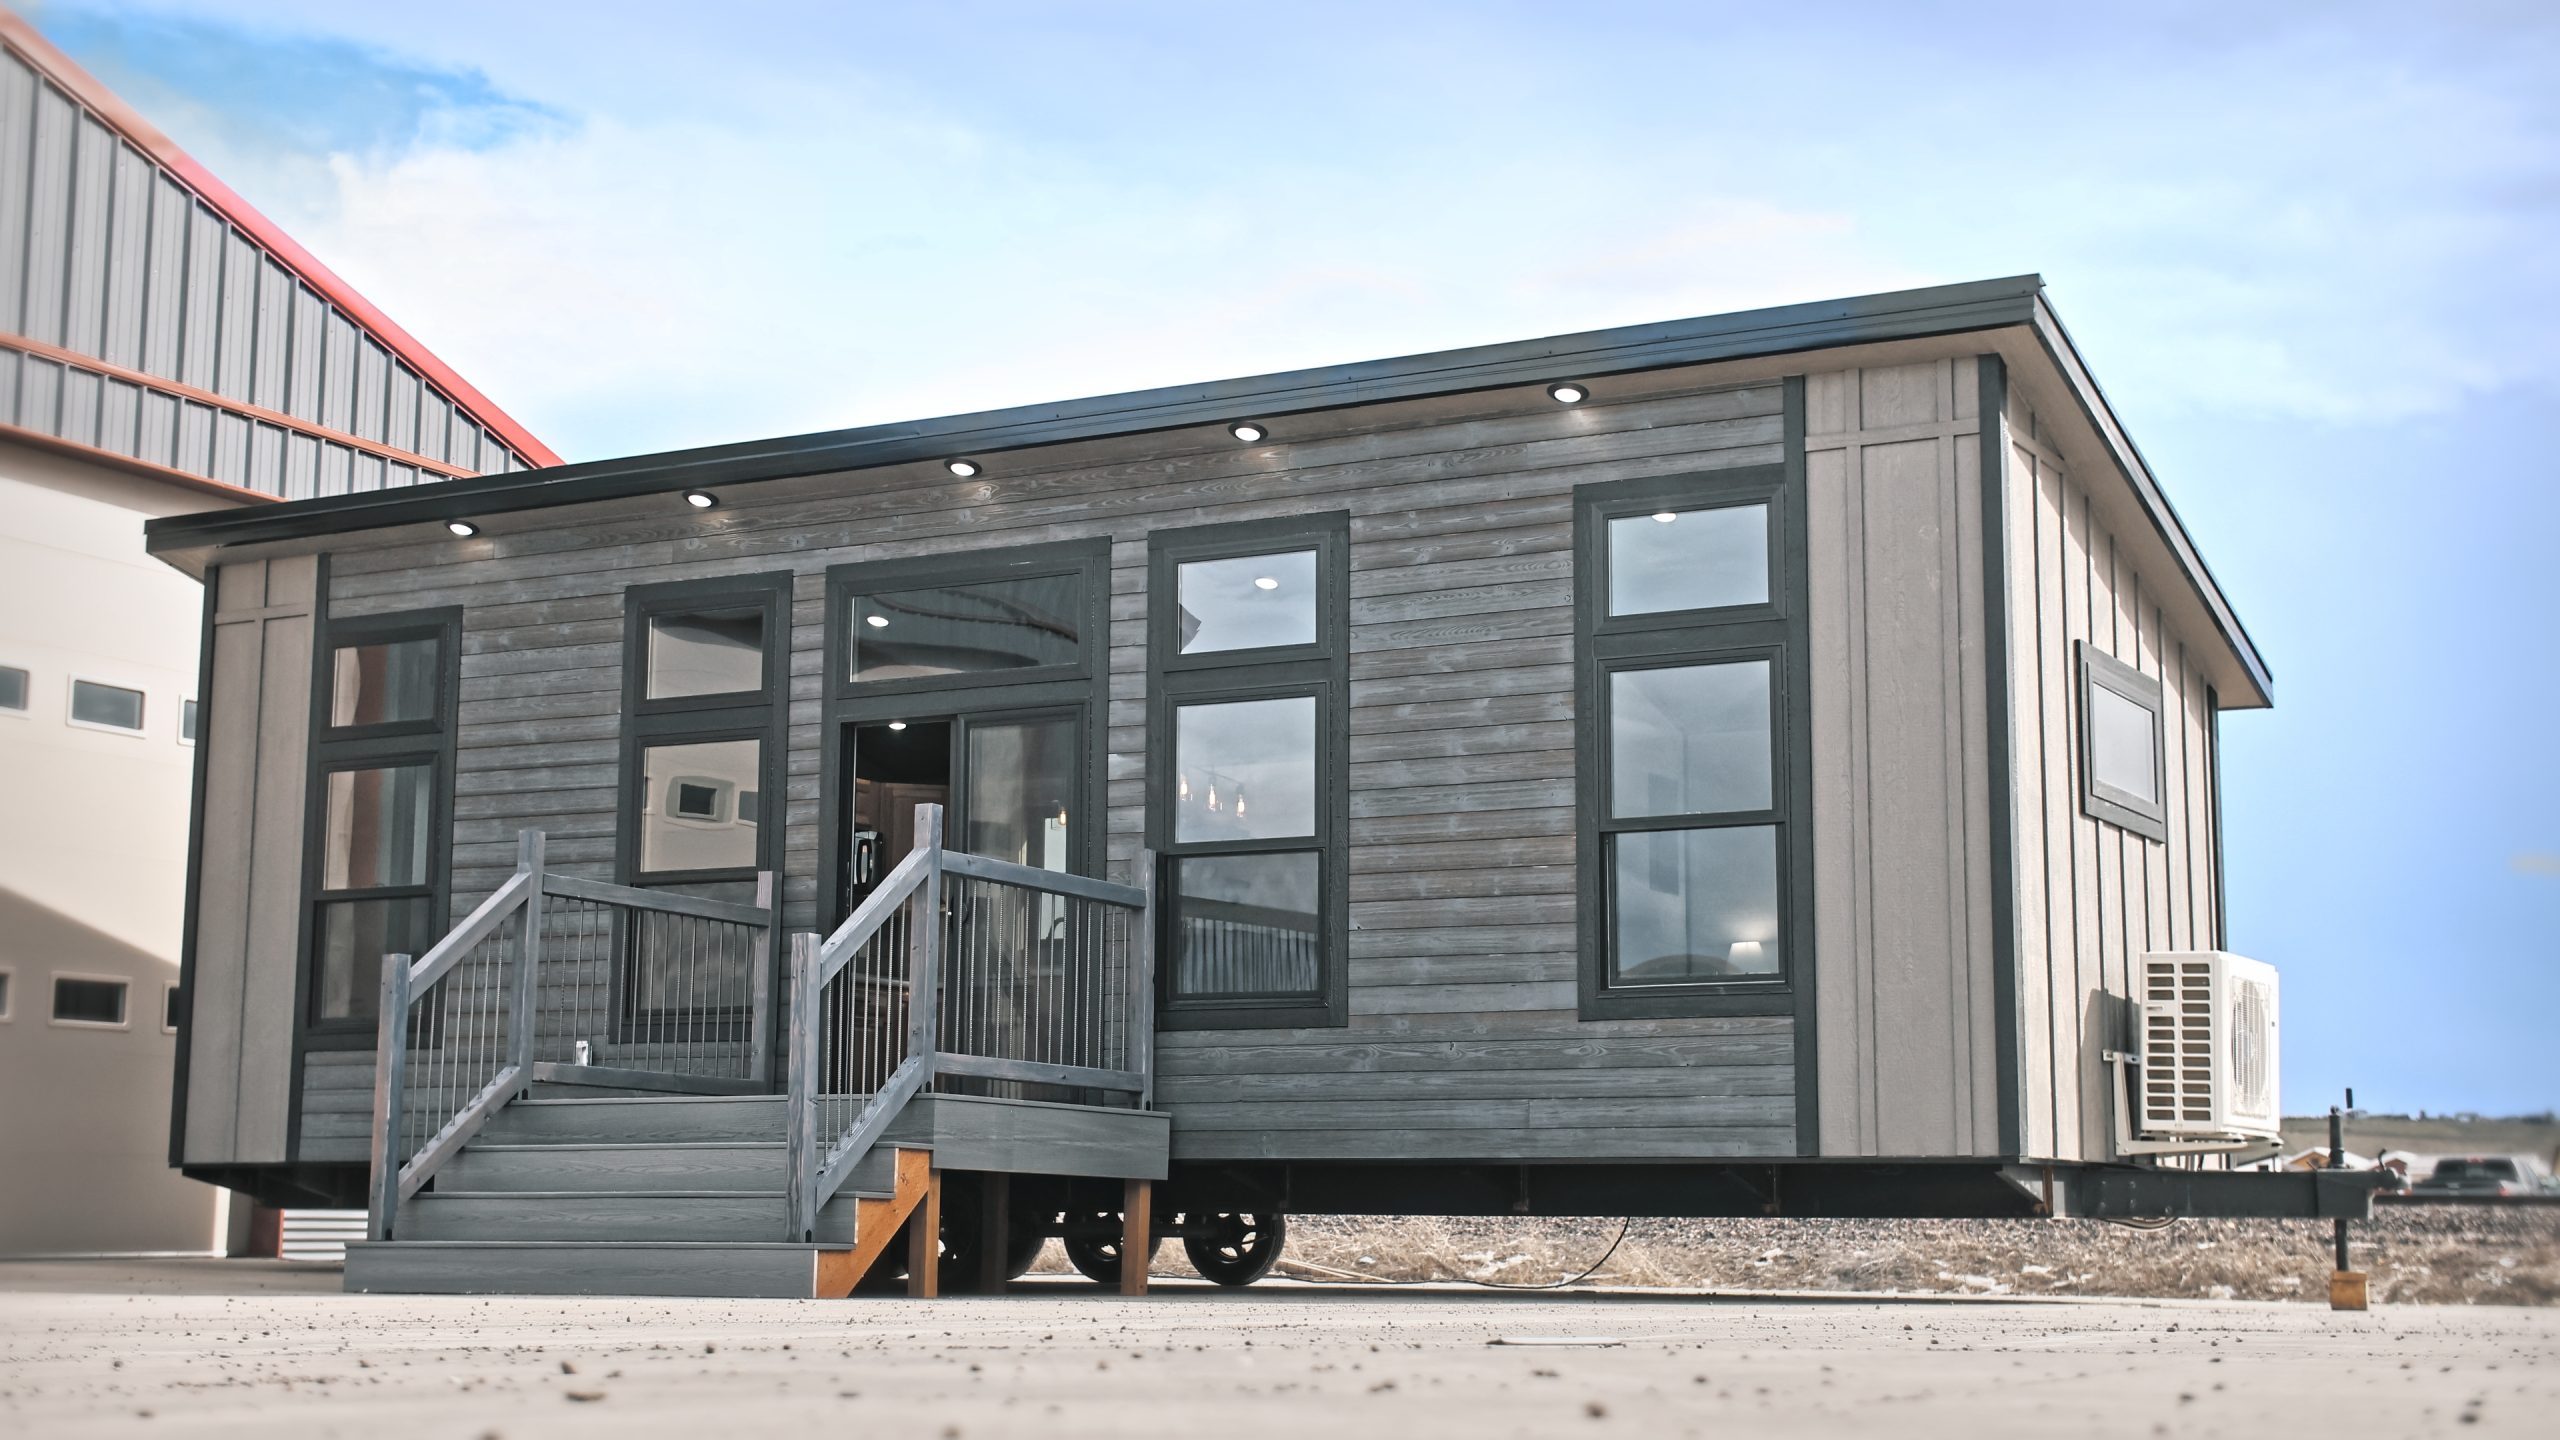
(700, 804)
(717, 652)
(1689, 739)
(1248, 602)
(2124, 744)
(1247, 925)
(378, 827)
(1245, 769)
(1689, 559)
(965, 629)
(1691, 905)
(386, 683)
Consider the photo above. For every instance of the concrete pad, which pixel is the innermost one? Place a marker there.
(215, 1350)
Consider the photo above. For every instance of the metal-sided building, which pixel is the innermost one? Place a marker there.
(1753, 764)
(164, 348)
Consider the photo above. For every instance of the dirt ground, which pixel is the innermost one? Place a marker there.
(2434, 1255)
(210, 1348)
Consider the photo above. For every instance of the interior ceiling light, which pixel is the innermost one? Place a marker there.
(1265, 582)
(701, 499)
(897, 724)
(876, 622)
(1666, 516)
(1247, 431)
(1568, 393)
(965, 469)
(463, 528)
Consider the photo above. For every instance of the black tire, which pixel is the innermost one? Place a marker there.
(1024, 1235)
(1097, 1256)
(1234, 1249)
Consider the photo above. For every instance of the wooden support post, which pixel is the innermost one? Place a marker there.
(1137, 1235)
(995, 1231)
(924, 1242)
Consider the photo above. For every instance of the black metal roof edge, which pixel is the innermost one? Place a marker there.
(1906, 314)
(2155, 502)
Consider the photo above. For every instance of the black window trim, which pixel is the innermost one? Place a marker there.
(366, 747)
(1321, 670)
(2099, 800)
(1775, 630)
(704, 719)
(981, 697)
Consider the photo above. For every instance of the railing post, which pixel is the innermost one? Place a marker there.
(1142, 984)
(520, 1021)
(390, 1074)
(801, 1108)
(924, 948)
(760, 986)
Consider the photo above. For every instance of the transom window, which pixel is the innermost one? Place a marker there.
(382, 811)
(1248, 730)
(1693, 835)
(706, 652)
(2122, 762)
(1027, 623)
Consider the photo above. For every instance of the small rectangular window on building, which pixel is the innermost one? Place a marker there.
(79, 1000)
(108, 707)
(169, 1012)
(4, 994)
(186, 722)
(13, 688)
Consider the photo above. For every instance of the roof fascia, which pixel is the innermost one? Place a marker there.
(92, 93)
(2129, 463)
(1941, 310)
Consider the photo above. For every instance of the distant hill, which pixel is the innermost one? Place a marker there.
(2536, 1135)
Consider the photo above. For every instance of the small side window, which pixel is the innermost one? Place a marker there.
(101, 706)
(13, 689)
(2123, 771)
(92, 1000)
(169, 1012)
(5, 978)
(186, 722)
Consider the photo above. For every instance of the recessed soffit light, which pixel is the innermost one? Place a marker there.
(462, 528)
(1666, 516)
(965, 469)
(1568, 393)
(1247, 431)
(701, 499)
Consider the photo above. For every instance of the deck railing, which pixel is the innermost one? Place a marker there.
(559, 979)
(961, 973)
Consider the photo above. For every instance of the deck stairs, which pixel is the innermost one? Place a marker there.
(655, 1195)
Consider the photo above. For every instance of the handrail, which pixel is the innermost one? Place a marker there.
(471, 1025)
(963, 968)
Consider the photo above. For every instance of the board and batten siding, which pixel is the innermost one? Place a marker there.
(2091, 896)
(1463, 1040)
(243, 976)
(1903, 884)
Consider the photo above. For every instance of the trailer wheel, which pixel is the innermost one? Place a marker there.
(1096, 1255)
(1235, 1249)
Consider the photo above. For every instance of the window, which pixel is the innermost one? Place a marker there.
(5, 977)
(94, 1001)
(13, 689)
(1033, 622)
(1695, 841)
(702, 747)
(2123, 772)
(186, 722)
(381, 809)
(704, 657)
(1247, 740)
(170, 1010)
(101, 706)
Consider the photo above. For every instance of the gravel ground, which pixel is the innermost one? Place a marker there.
(2435, 1255)
(213, 1350)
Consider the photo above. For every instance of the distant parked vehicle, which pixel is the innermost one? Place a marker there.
(2477, 1175)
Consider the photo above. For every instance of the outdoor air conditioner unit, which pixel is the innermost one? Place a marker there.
(2208, 1058)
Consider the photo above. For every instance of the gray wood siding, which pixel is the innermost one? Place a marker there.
(106, 254)
(244, 972)
(1463, 1040)
(2091, 896)
(1902, 874)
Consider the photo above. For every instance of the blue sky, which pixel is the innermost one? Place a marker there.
(2312, 251)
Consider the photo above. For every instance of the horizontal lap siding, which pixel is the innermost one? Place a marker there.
(1462, 745)
(2092, 896)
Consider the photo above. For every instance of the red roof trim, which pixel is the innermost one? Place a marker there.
(20, 36)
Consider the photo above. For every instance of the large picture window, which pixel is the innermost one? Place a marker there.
(381, 809)
(1694, 841)
(1247, 738)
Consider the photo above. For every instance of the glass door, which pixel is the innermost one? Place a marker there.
(1008, 782)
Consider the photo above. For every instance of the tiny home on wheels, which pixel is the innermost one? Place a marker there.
(1762, 764)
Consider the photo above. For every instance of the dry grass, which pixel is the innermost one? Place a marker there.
(2416, 1255)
